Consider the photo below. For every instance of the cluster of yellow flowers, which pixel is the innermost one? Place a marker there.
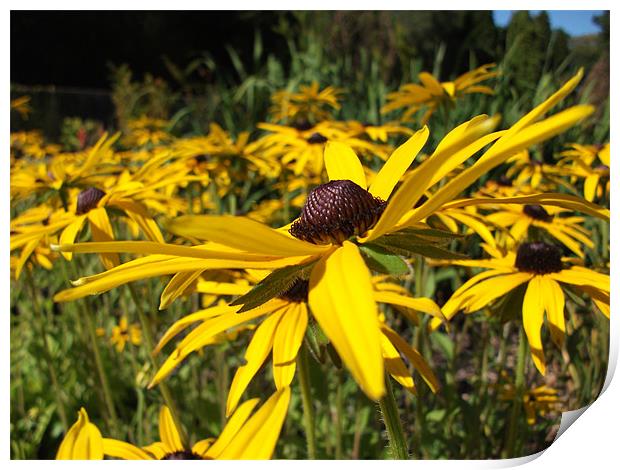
(201, 209)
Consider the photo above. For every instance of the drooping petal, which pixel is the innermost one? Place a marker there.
(395, 365)
(70, 233)
(205, 334)
(259, 348)
(533, 311)
(553, 299)
(101, 231)
(488, 290)
(342, 163)
(243, 234)
(342, 302)
(398, 163)
(232, 427)
(140, 216)
(257, 438)
(414, 357)
(286, 344)
(420, 304)
(176, 287)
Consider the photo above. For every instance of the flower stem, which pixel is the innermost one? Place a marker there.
(103, 378)
(46, 350)
(306, 397)
(163, 387)
(511, 439)
(393, 425)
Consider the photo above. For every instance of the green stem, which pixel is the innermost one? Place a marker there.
(103, 378)
(338, 415)
(517, 404)
(393, 425)
(46, 350)
(163, 387)
(306, 397)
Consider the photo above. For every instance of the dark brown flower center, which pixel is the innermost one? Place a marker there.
(181, 455)
(298, 292)
(539, 258)
(316, 138)
(503, 180)
(88, 200)
(538, 212)
(336, 211)
(303, 125)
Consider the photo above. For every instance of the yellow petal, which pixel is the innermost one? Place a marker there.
(551, 199)
(168, 432)
(232, 427)
(159, 266)
(176, 287)
(256, 440)
(553, 300)
(201, 447)
(341, 163)
(101, 231)
(431, 83)
(243, 234)
(395, 365)
(123, 450)
(255, 355)
(488, 290)
(398, 163)
(414, 357)
(188, 320)
(533, 311)
(70, 233)
(420, 304)
(140, 216)
(589, 187)
(286, 343)
(498, 154)
(83, 441)
(206, 333)
(342, 302)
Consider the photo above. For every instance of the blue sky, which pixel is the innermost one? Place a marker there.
(574, 22)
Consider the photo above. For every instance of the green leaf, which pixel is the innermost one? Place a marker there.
(273, 285)
(444, 342)
(380, 260)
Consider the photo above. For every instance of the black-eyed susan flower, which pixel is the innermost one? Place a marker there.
(282, 326)
(590, 162)
(542, 268)
(537, 401)
(245, 436)
(519, 218)
(431, 94)
(309, 104)
(124, 333)
(339, 220)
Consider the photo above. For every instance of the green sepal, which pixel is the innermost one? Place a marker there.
(380, 260)
(273, 285)
(409, 246)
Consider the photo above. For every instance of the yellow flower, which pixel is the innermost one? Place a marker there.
(283, 323)
(309, 104)
(123, 333)
(244, 437)
(541, 267)
(536, 401)
(519, 218)
(144, 131)
(431, 93)
(338, 219)
(580, 161)
(22, 106)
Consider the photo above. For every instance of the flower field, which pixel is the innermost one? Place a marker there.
(317, 270)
